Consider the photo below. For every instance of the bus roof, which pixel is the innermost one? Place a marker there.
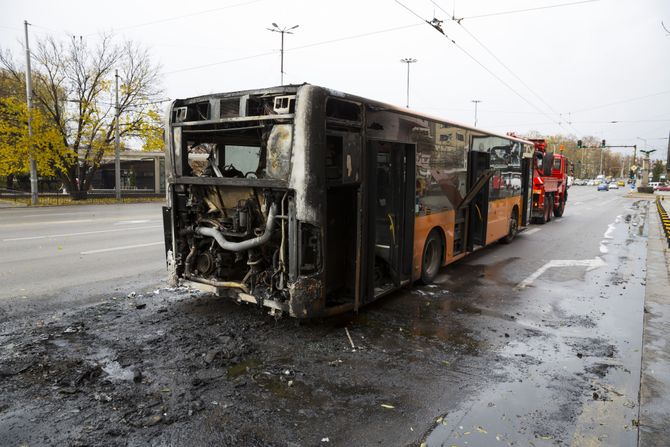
(294, 88)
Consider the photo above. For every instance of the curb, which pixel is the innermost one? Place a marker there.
(655, 370)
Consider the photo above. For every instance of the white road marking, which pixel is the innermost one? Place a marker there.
(590, 263)
(531, 231)
(47, 222)
(608, 233)
(126, 247)
(82, 233)
(131, 222)
(55, 214)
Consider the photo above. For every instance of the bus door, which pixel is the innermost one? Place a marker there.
(479, 173)
(390, 215)
(526, 189)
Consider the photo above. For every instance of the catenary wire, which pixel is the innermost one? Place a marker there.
(515, 11)
(502, 81)
(518, 78)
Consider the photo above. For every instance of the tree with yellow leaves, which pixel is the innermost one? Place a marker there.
(46, 144)
(73, 89)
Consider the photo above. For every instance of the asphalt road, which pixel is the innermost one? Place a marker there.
(79, 252)
(534, 343)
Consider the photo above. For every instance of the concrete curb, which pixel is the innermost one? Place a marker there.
(654, 419)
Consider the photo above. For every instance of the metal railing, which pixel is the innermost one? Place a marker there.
(665, 220)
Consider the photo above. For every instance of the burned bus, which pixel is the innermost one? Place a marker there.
(310, 202)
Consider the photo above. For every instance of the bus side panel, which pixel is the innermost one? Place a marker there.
(499, 216)
(422, 226)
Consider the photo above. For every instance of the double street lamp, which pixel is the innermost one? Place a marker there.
(476, 101)
(408, 60)
(276, 29)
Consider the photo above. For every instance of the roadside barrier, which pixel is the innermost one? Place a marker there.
(665, 220)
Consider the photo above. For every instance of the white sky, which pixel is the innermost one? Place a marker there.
(590, 63)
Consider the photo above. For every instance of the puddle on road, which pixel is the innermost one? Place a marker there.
(242, 368)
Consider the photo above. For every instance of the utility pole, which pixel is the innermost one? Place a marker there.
(277, 29)
(476, 101)
(29, 102)
(600, 170)
(117, 143)
(408, 60)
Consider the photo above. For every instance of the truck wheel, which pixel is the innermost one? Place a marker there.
(431, 258)
(546, 215)
(550, 207)
(513, 227)
(558, 212)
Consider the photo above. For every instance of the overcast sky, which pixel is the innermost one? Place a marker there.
(572, 69)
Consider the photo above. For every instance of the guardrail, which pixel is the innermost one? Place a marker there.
(22, 198)
(665, 220)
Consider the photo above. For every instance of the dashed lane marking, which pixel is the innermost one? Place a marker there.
(82, 233)
(125, 247)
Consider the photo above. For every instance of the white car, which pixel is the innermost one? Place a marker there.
(613, 185)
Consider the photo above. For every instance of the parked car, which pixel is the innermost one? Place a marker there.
(621, 183)
(613, 185)
(603, 187)
(663, 188)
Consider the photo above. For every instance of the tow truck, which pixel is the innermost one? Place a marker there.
(550, 183)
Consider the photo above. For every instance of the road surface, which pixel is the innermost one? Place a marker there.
(534, 343)
(77, 253)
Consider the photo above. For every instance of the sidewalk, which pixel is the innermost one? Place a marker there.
(654, 429)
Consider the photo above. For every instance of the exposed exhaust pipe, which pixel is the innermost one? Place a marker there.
(244, 245)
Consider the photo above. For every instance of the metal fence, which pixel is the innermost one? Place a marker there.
(10, 197)
(665, 220)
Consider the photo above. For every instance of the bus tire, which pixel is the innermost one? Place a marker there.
(431, 258)
(558, 212)
(513, 227)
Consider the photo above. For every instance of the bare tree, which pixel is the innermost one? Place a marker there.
(74, 86)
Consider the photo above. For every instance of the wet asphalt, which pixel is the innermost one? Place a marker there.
(534, 343)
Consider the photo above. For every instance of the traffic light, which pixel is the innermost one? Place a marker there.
(579, 144)
(561, 147)
(603, 144)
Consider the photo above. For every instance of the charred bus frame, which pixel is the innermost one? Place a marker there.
(312, 202)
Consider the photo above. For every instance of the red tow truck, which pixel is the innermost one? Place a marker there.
(550, 183)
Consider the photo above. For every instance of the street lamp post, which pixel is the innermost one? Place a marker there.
(117, 145)
(29, 102)
(476, 101)
(276, 29)
(408, 60)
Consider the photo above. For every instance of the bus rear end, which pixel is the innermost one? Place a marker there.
(232, 225)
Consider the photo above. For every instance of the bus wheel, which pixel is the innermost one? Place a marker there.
(432, 257)
(513, 227)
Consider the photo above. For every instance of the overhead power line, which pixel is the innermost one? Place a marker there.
(301, 47)
(623, 101)
(181, 16)
(437, 25)
(509, 70)
(516, 11)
